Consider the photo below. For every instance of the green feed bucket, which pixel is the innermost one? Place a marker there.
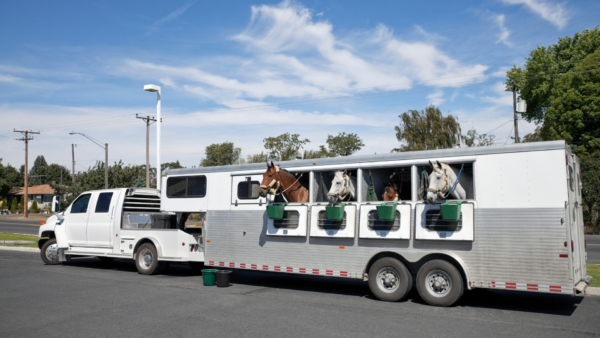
(209, 277)
(275, 211)
(450, 212)
(336, 212)
(386, 212)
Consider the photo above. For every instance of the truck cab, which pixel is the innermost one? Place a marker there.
(121, 223)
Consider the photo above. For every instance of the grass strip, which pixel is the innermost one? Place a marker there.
(4, 236)
(594, 271)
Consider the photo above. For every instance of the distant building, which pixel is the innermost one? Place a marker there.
(41, 193)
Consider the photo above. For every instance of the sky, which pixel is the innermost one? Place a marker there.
(241, 71)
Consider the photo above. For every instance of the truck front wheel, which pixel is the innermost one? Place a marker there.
(146, 260)
(49, 252)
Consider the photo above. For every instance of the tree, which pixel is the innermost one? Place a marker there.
(52, 173)
(9, 178)
(573, 114)
(39, 162)
(4, 205)
(139, 183)
(321, 153)
(590, 182)
(22, 204)
(536, 136)
(171, 165)
(427, 130)
(472, 139)
(257, 158)
(344, 144)
(221, 154)
(284, 147)
(544, 66)
(14, 205)
(34, 207)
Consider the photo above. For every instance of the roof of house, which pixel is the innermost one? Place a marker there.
(36, 190)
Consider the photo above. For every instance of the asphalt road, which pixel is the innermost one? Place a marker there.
(89, 298)
(19, 226)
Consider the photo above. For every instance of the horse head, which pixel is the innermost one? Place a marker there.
(341, 187)
(390, 193)
(270, 182)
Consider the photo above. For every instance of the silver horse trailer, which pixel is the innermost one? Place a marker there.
(520, 225)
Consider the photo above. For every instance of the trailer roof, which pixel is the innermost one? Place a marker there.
(409, 155)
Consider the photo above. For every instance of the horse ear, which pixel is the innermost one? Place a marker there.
(268, 166)
(272, 165)
(438, 163)
(431, 164)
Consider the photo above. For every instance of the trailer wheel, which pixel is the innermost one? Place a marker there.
(49, 252)
(147, 260)
(389, 279)
(439, 283)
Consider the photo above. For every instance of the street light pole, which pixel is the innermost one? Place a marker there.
(154, 88)
(105, 156)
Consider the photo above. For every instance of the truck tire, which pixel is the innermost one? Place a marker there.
(440, 283)
(146, 260)
(389, 279)
(49, 252)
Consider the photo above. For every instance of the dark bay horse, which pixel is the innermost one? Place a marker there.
(390, 193)
(275, 178)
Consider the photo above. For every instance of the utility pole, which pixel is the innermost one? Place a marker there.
(26, 138)
(515, 112)
(73, 150)
(147, 119)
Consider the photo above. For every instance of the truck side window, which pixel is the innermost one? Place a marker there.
(81, 204)
(103, 203)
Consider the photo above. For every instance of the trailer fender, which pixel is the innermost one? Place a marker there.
(463, 267)
(152, 240)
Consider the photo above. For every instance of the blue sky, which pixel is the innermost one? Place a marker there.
(241, 71)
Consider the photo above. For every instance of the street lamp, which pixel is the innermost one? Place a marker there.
(106, 156)
(154, 88)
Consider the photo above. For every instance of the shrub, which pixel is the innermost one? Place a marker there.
(13, 206)
(22, 204)
(4, 206)
(34, 207)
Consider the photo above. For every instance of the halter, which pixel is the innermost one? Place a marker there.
(344, 190)
(275, 181)
(444, 188)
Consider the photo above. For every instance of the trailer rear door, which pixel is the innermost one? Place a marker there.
(575, 222)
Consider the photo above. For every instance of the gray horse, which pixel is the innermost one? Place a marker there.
(441, 180)
(342, 187)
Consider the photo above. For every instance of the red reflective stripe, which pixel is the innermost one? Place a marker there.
(554, 287)
(253, 266)
(329, 272)
(290, 269)
(242, 265)
(315, 271)
(232, 265)
(563, 255)
(302, 270)
(265, 267)
(277, 268)
(221, 263)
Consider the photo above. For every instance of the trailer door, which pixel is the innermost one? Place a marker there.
(574, 220)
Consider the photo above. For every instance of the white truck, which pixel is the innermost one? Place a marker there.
(121, 223)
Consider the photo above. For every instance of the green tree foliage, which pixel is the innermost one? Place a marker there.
(10, 178)
(39, 162)
(543, 68)
(257, 158)
(574, 111)
(590, 182)
(344, 144)
(51, 173)
(284, 147)
(139, 183)
(321, 153)
(4, 205)
(34, 207)
(171, 165)
(472, 139)
(221, 154)
(427, 130)
(22, 204)
(14, 205)
(536, 136)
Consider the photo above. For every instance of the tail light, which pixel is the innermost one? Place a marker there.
(572, 247)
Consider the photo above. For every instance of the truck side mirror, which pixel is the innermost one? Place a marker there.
(56, 204)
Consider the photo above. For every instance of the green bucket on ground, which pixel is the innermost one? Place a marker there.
(209, 277)
(336, 212)
(386, 212)
(275, 211)
(451, 212)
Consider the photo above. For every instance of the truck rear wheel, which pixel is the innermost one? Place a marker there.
(146, 260)
(440, 283)
(49, 252)
(389, 279)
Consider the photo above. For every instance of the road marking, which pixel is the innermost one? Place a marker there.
(31, 225)
(593, 244)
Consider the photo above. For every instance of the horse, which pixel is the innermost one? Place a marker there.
(441, 180)
(390, 192)
(342, 187)
(275, 178)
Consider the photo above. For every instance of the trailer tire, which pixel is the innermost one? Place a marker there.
(146, 260)
(389, 279)
(440, 283)
(49, 252)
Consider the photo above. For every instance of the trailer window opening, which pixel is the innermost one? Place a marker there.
(81, 204)
(435, 222)
(326, 224)
(248, 190)
(186, 186)
(376, 224)
(290, 220)
(375, 180)
(103, 203)
(466, 180)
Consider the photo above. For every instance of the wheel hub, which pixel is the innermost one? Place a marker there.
(388, 279)
(52, 252)
(438, 283)
(148, 259)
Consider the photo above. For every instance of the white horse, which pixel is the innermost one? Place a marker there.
(441, 180)
(342, 187)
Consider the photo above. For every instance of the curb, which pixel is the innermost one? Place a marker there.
(16, 248)
(16, 242)
(592, 291)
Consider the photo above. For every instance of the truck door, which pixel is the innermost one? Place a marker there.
(573, 217)
(76, 220)
(101, 214)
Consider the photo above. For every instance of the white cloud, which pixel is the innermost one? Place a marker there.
(8, 78)
(553, 12)
(436, 98)
(173, 15)
(504, 32)
(501, 97)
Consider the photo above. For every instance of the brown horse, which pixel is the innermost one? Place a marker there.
(390, 193)
(275, 179)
